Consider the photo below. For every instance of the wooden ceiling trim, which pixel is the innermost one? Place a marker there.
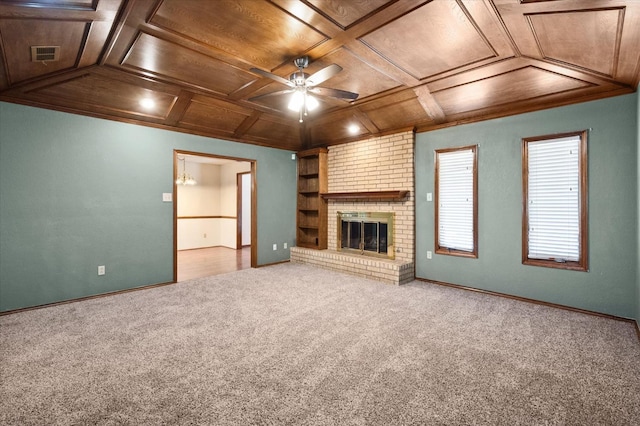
(32, 86)
(242, 129)
(97, 34)
(179, 108)
(126, 32)
(134, 79)
(365, 121)
(429, 104)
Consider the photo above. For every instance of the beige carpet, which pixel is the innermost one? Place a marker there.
(290, 344)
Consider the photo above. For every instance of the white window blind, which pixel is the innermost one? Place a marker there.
(553, 199)
(455, 199)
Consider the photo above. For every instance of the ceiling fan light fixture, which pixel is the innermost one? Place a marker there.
(301, 99)
(296, 102)
(312, 103)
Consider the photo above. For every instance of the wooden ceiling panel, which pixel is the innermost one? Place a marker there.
(510, 87)
(346, 13)
(102, 94)
(336, 128)
(402, 114)
(587, 39)
(185, 66)
(61, 4)
(257, 31)
(419, 64)
(357, 76)
(436, 38)
(207, 114)
(275, 132)
(18, 35)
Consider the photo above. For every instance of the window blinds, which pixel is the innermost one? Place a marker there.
(553, 199)
(455, 199)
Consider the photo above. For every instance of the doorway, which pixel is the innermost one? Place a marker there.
(243, 183)
(214, 214)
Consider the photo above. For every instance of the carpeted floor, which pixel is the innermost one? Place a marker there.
(290, 344)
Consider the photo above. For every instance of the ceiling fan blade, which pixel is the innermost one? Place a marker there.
(334, 93)
(272, 76)
(266, 95)
(324, 74)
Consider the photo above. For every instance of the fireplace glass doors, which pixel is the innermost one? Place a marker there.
(368, 233)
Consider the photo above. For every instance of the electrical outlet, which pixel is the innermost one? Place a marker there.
(101, 270)
(429, 255)
(205, 235)
(275, 247)
(285, 245)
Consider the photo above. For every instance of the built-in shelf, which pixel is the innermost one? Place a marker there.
(311, 229)
(373, 195)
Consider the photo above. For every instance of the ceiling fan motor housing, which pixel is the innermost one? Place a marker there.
(302, 62)
(299, 78)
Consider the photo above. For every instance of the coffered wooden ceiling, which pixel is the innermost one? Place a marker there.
(415, 63)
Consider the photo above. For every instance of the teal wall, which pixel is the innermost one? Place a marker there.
(78, 192)
(611, 285)
(638, 212)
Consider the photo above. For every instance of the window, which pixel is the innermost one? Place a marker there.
(457, 201)
(554, 223)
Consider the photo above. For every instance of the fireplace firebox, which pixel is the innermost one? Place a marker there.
(366, 233)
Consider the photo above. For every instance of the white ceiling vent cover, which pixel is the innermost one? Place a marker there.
(45, 53)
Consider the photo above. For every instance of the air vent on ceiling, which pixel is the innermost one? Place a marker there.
(45, 53)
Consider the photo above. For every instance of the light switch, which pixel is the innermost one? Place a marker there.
(167, 197)
(429, 196)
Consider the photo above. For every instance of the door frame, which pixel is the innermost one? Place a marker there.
(254, 204)
(239, 203)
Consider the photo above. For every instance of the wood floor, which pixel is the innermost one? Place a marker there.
(205, 262)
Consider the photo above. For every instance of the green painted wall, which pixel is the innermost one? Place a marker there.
(78, 192)
(638, 212)
(611, 284)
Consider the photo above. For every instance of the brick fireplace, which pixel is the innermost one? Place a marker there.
(381, 172)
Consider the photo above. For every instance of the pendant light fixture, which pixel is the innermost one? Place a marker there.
(184, 178)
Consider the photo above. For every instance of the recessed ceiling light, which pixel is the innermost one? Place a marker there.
(147, 103)
(353, 128)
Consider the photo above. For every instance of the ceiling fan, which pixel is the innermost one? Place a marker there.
(302, 85)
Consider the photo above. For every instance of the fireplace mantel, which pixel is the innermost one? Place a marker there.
(374, 195)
